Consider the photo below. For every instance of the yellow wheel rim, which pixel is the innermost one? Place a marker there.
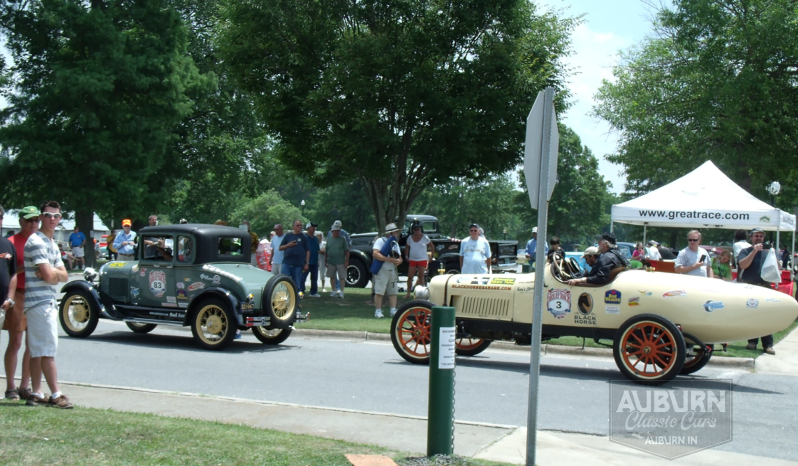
(283, 300)
(76, 313)
(212, 324)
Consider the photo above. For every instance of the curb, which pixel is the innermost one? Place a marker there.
(546, 349)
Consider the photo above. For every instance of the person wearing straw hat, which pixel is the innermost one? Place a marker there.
(387, 258)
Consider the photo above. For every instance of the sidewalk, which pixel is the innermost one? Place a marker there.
(400, 433)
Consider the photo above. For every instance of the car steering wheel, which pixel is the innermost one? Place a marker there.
(559, 268)
(575, 270)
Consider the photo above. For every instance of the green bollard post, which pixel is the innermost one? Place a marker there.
(440, 418)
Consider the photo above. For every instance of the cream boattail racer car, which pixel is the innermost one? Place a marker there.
(661, 324)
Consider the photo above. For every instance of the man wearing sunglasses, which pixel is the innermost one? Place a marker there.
(694, 260)
(44, 270)
(475, 252)
(749, 264)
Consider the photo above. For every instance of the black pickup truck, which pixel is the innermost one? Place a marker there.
(447, 250)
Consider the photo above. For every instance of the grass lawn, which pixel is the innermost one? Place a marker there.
(90, 436)
(356, 313)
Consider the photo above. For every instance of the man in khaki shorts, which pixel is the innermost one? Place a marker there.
(43, 271)
(384, 281)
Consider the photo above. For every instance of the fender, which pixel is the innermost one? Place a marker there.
(108, 312)
(222, 293)
(362, 256)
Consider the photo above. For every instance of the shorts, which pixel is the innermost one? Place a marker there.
(43, 330)
(339, 269)
(15, 317)
(77, 251)
(418, 264)
(385, 282)
(125, 257)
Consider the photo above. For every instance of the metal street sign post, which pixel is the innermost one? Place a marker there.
(540, 170)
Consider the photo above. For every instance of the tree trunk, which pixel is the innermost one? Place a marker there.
(84, 219)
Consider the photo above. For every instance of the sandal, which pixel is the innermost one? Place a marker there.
(25, 393)
(12, 394)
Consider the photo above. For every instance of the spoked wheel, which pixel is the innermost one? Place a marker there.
(280, 301)
(273, 336)
(697, 357)
(214, 325)
(649, 349)
(469, 346)
(78, 314)
(410, 331)
(140, 328)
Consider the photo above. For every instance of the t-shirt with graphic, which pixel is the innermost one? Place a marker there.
(475, 252)
(295, 255)
(395, 252)
(418, 250)
(40, 250)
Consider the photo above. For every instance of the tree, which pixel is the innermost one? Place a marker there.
(716, 82)
(267, 210)
(94, 93)
(398, 95)
(580, 204)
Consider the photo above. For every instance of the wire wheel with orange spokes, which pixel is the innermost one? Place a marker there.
(470, 346)
(410, 331)
(649, 348)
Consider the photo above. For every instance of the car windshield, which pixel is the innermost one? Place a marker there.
(230, 247)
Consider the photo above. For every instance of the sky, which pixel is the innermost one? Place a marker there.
(608, 27)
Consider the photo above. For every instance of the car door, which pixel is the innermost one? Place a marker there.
(187, 282)
(156, 272)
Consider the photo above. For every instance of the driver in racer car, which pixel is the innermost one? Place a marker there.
(609, 259)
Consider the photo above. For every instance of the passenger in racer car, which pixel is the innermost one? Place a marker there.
(610, 259)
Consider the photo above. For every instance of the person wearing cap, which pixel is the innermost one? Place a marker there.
(749, 265)
(313, 262)
(16, 323)
(531, 247)
(125, 242)
(591, 255)
(333, 282)
(694, 260)
(336, 257)
(276, 259)
(610, 258)
(255, 240)
(653, 251)
(296, 254)
(475, 252)
(386, 251)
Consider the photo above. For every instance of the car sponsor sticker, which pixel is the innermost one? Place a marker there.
(180, 285)
(585, 307)
(645, 293)
(753, 302)
(674, 294)
(710, 305)
(503, 281)
(196, 286)
(134, 292)
(218, 271)
(612, 309)
(484, 287)
(612, 297)
(157, 283)
(773, 300)
(171, 299)
(559, 303)
(464, 279)
(525, 289)
(182, 295)
(634, 301)
(169, 304)
(182, 304)
(115, 265)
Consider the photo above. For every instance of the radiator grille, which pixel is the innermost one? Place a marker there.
(117, 287)
(481, 306)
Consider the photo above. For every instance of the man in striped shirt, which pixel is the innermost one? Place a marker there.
(43, 271)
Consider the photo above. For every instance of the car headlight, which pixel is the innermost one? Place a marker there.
(89, 274)
(421, 292)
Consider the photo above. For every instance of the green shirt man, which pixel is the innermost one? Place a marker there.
(337, 248)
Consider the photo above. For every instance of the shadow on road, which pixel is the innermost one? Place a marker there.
(183, 343)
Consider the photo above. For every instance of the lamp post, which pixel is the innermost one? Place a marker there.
(303, 207)
(773, 188)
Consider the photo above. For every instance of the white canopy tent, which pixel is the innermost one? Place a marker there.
(704, 198)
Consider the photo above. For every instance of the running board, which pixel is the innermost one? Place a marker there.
(154, 321)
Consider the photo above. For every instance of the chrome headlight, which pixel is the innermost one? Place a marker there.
(89, 274)
(421, 292)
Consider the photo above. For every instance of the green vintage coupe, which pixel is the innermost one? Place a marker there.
(186, 275)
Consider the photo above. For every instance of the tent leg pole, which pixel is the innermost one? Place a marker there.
(645, 228)
(612, 226)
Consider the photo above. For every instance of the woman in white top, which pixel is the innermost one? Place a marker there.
(322, 260)
(417, 252)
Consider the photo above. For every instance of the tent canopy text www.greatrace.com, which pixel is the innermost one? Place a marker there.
(674, 214)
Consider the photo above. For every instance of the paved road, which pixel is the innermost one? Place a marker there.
(370, 376)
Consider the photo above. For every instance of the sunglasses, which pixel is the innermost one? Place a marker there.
(692, 240)
(51, 215)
